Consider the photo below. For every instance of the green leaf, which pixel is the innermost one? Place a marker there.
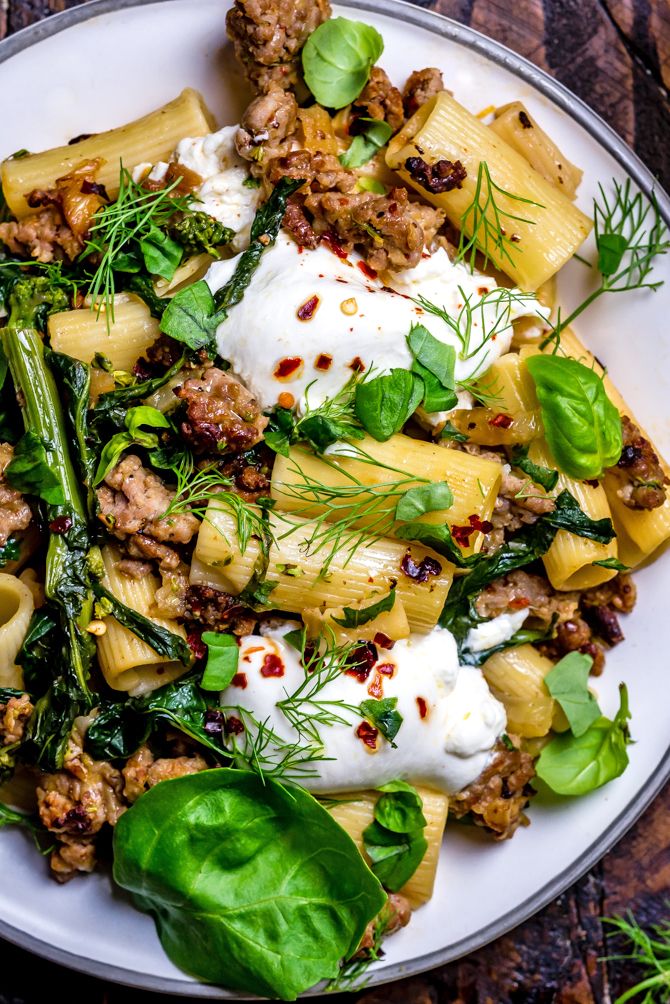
(568, 684)
(572, 765)
(135, 419)
(368, 184)
(449, 431)
(543, 476)
(394, 857)
(424, 498)
(29, 471)
(164, 642)
(384, 716)
(434, 362)
(355, 618)
(363, 147)
(611, 249)
(9, 551)
(385, 403)
(400, 808)
(253, 885)
(568, 516)
(582, 426)
(614, 563)
(222, 659)
(162, 256)
(439, 538)
(191, 316)
(337, 59)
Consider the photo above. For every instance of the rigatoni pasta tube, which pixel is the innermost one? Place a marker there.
(357, 812)
(300, 482)
(16, 609)
(82, 333)
(518, 128)
(548, 233)
(148, 139)
(516, 677)
(127, 663)
(218, 560)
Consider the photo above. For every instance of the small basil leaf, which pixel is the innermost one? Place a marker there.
(384, 716)
(582, 426)
(222, 659)
(424, 498)
(337, 59)
(394, 857)
(385, 403)
(355, 618)
(142, 415)
(29, 471)
(191, 316)
(568, 684)
(437, 357)
(572, 765)
(363, 147)
(162, 256)
(400, 808)
(542, 476)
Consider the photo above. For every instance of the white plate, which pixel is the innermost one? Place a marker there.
(97, 66)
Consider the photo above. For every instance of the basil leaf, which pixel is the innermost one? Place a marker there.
(582, 426)
(424, 498)
(368, 184)
(191, 316)
(164, 642)
(449, 431)
(363, 147)
(572, 765)
(355, 618)
(439, 538)
(614, 563)
(384, 403)
(29, 471)
(611, 249)
(384, 716)
(222, 658)
(434, 362)
(568, 684)
(252, 884)
(394, 856)
(142, 415)
(162, 256)
(543, 476)
(337, 59)
(400, 808)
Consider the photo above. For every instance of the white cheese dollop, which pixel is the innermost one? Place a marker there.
(451, 720)
(311, 318)
(498, 630)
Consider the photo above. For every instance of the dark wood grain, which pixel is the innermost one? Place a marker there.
(615, 54)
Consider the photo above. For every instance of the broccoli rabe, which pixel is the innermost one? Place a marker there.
(33, 298)
(198, 232)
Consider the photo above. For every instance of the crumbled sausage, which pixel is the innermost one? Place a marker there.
(619, 593)
(140, 547)
(396, 914)
(521, 590)
(421, 86)
(221, 414)
(442, 176)
(15, 512)
(321, 172)
(216, 609)
(268, 35)
(500, 794)
(14, 717)
(142, 771)
(268, 126)
(379, 100)
(639, 473)
(133, 501)
(43, 236)
(297, 224)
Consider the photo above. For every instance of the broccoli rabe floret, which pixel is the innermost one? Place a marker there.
(32, 300)
(199, 231)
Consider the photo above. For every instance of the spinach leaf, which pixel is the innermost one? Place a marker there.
(252, 884)
(144, 288)
(568, 516)
(222, 659)
(614, 563)
(337, 59)
(543, 476)
(112, 405)
(384, 716)
(437, 536)
(116, 731)
(9, 551)
(162, 641)
(363, 147)
(524, 636)
(29, 471)
(384, 403)
(568, 684)
(137, 421)
(434, 362)
(449, 431)
(424, 498)
(75, 377)
(575, 765)
(38, 653)
(582, 426)
(355, 618)
(395, 841)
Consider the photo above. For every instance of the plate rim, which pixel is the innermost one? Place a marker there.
(609, 139)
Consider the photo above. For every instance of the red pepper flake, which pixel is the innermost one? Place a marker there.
(196, 645)
(386, 668)
(288, 367)
(357, 364)
(376, 688)
(272, 666)
(462, 534)
(421, 571)
(501, 421)
(519, 603)
(300, 249)
(482, 290)
(422, 706)
(383, 641)
(366, 270)
(361, 661)
(233, 726)
(240, 680)
(308, 309)
(323, 362)
(333, 245)
(368, 734)
(61, 524)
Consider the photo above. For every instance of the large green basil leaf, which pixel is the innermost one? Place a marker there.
(568, 683)
(252, 885)
(582, 426)
(337, 59)
(384, 403)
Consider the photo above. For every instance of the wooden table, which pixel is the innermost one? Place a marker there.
(615, 54)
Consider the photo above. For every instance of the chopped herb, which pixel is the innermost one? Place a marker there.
(222, 660)
(354, 618)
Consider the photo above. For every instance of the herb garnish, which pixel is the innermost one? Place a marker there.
(395, 841)
(337, 59)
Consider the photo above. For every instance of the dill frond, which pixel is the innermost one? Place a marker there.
(651, 952)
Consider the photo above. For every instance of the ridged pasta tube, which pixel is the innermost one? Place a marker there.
(517, 127)
(549, 232)
(82, 333)
(16, 609)
(356, 813)
(148, 139)
(516, 677)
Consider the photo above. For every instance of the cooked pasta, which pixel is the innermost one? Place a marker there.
(83, 332)
(516, 677)
(16, 609)
(517, 127)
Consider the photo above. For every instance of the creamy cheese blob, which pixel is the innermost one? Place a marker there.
(311, 317)
(497, 631)
(450, 723)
